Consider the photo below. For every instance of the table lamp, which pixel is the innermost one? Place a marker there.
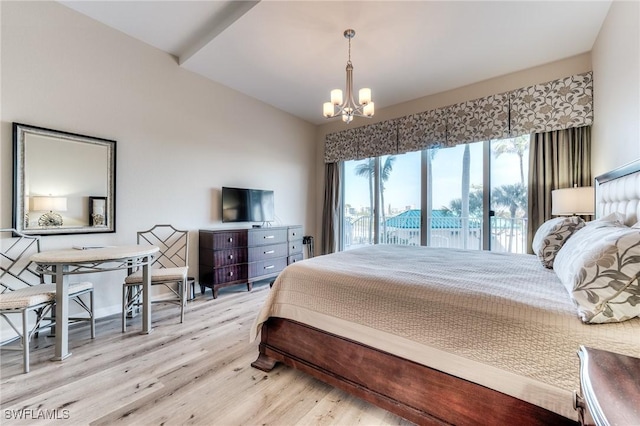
(51, 218)
(572, 201)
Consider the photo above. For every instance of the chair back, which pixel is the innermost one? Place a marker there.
(173, 244)
(16, 270)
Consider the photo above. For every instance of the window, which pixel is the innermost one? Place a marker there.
(440, 197)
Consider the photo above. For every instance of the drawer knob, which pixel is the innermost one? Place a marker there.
(269, 267)
(269, 252)
(293, 247)
(230, 239)
(231, 273)
(268, 237)
(230, 256)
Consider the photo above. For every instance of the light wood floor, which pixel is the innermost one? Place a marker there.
(195, 373)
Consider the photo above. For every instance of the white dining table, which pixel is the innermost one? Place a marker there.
(61, 264)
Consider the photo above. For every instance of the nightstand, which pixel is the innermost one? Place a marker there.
(609, 388)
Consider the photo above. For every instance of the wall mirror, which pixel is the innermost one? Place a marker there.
(63, 183)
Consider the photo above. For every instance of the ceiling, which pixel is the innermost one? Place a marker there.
(290, 54)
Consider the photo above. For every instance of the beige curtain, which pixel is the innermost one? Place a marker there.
(331, 209)
(557, 159)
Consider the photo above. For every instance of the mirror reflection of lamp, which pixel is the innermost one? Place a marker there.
(53, 205)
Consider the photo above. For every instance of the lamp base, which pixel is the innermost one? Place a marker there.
(50, 219)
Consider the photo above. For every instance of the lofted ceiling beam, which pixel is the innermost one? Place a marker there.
(232, 11)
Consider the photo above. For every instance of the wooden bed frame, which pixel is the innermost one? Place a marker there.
(413, 391)
(419, 394)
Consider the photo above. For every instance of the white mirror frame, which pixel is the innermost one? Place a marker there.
(21, 220)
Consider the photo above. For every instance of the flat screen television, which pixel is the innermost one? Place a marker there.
(247, 205)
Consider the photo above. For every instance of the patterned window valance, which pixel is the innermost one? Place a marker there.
(477, 120)
(378, 139)
(556, 105)
(340, 146)
(422, 130)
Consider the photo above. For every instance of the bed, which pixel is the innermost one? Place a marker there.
(443, 336)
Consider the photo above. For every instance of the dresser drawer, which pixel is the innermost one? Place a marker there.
(211, 276)
(230, 273)
(259, 237)
(295, 258)
(295, 233)
(229, 239)
(267, 252)
(295, 247)
(267, 267)
(218, 258)
(230, 257)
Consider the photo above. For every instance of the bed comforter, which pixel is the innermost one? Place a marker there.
(499, 320)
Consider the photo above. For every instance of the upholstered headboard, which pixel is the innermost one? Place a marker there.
(619, 191)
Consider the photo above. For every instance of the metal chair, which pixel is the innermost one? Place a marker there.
(23, 293)
(169, 269)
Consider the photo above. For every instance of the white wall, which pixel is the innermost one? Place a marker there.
(616, 89)
(179, 136)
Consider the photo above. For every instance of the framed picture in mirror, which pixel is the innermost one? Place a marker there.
(98, 211)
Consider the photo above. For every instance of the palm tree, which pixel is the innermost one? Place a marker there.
(466, 165)
(367, 169)
(387, 168)
(513, 197)
(475, 205)
(517, 145)
(430, 155)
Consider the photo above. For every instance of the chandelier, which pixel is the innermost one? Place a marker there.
(348, 109)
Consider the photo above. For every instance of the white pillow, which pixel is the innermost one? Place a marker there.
(614, 218)
(600, 268)
(552, 235)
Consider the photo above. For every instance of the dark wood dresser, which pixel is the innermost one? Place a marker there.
(609, 387)
(242, 256)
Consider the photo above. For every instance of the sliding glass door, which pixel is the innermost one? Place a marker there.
(509, 170)
(358, 202)
(454, 213)
(471, 196)
(399, 195)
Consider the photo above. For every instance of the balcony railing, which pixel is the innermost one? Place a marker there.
(507, 235)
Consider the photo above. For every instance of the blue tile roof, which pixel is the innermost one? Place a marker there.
(440, 219)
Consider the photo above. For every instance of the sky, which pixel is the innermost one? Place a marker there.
(403, 186)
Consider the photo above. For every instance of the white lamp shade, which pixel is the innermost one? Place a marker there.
(58, 204)
(369, 109)
(336, 96)
(364, 96)
(327, 109)
(572, 201)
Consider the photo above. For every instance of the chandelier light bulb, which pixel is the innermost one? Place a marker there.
(364, 96)
(347, 107)
(327, 109)
(369, 109)
(336, 96)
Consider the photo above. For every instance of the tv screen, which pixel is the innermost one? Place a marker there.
(247, 205)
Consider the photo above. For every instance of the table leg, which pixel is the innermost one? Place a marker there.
(146, 297)
(62, 312)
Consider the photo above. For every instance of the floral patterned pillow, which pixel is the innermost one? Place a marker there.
(552, 235)
(600, 267)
